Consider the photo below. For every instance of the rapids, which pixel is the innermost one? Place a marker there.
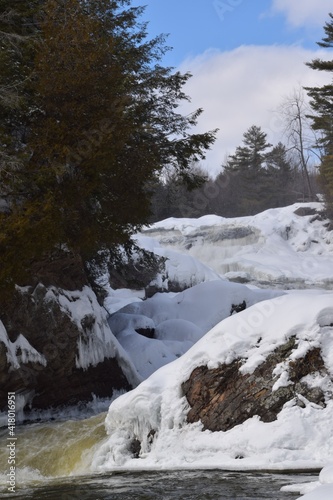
(52, 449)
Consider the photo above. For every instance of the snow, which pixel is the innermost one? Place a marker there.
(326, 475)
(300, 437)
(180, 271)
(117, 299)
(275, 246)
(20, 351)
(178, 320)
(185, 270)
(323, 492)
(96, 341)
(319, 490)
(196, 327)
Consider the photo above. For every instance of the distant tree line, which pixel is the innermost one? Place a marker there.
(256, 177)
(93, 146)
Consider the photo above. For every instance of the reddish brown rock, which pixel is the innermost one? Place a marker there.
(222, 398)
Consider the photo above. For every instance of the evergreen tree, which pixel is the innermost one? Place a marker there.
(174, 198)
(322, 105)
(17, 38)
(102, 123)
(278, 178)
(246, 170)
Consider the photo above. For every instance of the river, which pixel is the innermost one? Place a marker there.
(168, 485)
(53, 460)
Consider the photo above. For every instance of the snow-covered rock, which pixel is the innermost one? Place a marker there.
(181, 270)
(161, 329)
(20, 351)
(288, 246)
(57, 348)
(155, 413)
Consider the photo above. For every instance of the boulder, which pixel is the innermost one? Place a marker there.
(223, 397)
(57, 349)
(305, 211)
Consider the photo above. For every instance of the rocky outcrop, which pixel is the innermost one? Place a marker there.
(223, 397)
(305, 211)
(57, 349)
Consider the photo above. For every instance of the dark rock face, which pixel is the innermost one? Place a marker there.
(79, 385)
(236, 308)
(304, 211)
(317, 214)
(54, 335)
(149, 333)
(223, 397)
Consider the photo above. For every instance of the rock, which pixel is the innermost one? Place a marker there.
(135, 448)
(304, 211)
(76, 385)
(51, 323)
(223, 397)
(149, 333)
(236, 308)
(317, 214)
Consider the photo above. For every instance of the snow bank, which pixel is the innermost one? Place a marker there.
(181, 269)
(117, 299)
(178, 321)
(274, 246)
(323, 492)
(319, 490)
(155, 412)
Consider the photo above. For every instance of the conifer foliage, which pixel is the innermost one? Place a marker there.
(246, 166)
(322, 105)
(89, 119)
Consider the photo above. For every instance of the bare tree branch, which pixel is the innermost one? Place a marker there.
(300, 136)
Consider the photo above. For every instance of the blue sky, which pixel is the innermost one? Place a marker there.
(194, 26)
(246, 57)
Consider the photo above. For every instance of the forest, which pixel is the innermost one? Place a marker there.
(93, 145)
(258, 176)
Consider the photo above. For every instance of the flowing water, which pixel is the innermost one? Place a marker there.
(172, 485)
(53, 449)
(53, 459)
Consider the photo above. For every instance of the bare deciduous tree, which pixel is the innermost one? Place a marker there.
(301, 138)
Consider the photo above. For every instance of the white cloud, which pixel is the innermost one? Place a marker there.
(304, 12)
(244, 87)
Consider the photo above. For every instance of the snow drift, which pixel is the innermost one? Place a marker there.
(177, 321)
(287, 246)
(148, 427)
